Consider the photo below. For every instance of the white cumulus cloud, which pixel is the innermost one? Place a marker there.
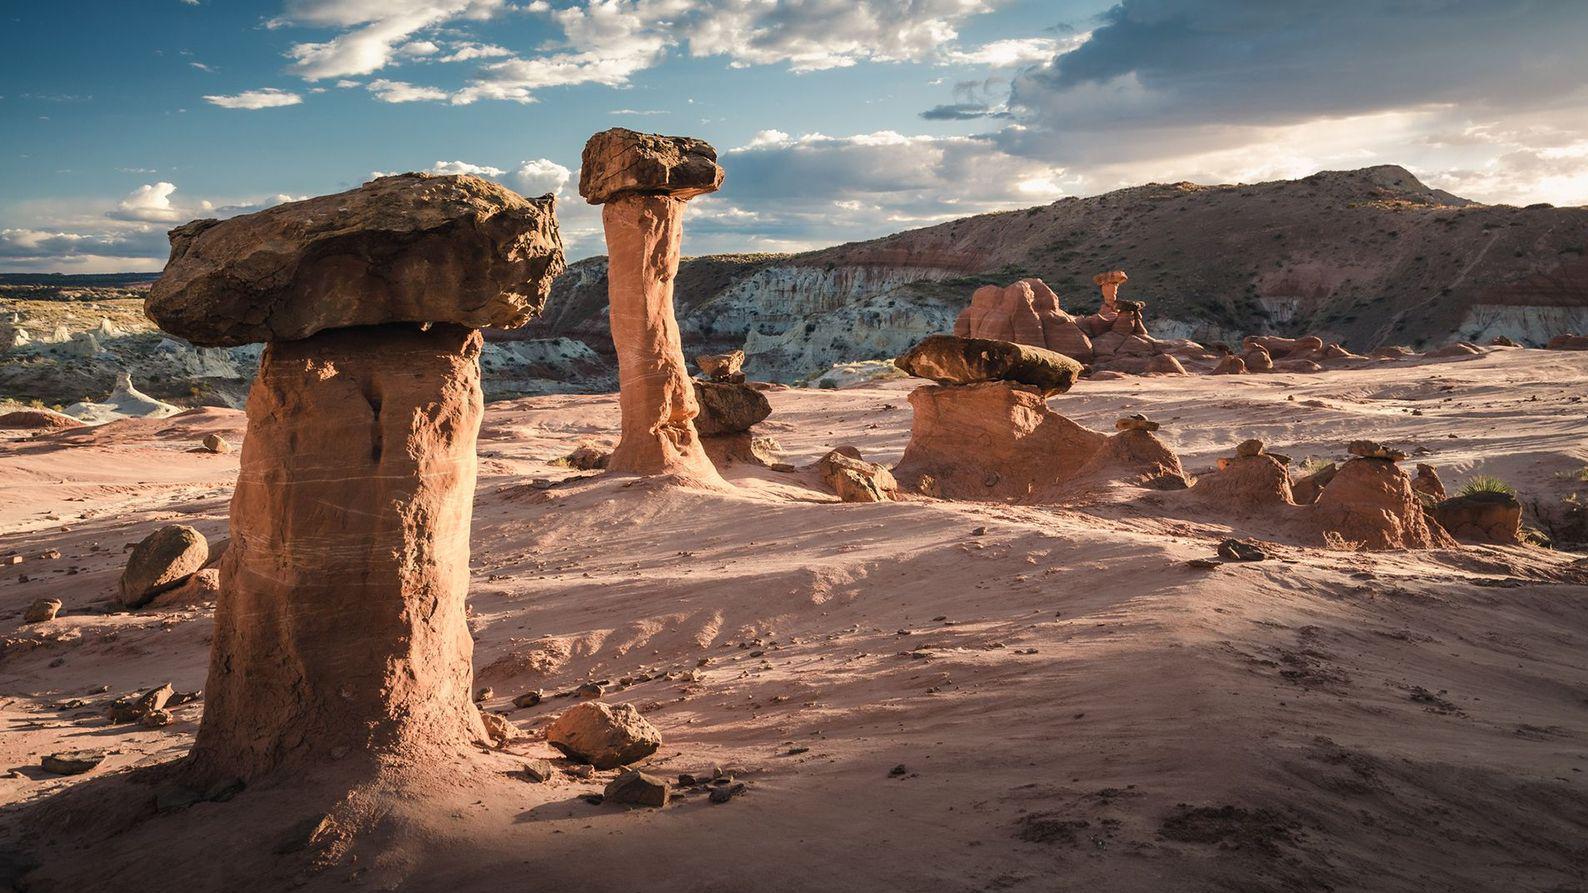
(268, 98)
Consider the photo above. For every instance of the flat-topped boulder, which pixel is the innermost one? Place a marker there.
(621, 161)
(952, 360)
(408, 248)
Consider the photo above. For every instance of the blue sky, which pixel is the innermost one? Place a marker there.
(836, 119)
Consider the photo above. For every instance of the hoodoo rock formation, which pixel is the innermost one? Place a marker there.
(340, 630)
(642, 181)
(1026, 312)
(1109, 284)
(1370, 504)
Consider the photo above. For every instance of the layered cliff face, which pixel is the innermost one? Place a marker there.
(1366, 257)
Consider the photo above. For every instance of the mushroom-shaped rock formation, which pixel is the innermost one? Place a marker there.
(1109, 284)
(340, 625)
(408, 248)
(641, 181)
(952, 360)
(990, 440)
(1370, 504)
(1482, 517)
(1252, 480)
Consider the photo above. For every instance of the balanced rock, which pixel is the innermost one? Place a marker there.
(1251, 480)
(642, 181)
(990, 440)
(952, 360)
(161, 561)
(621, 162)
(1252, 447)
(409, 248)
(604, 735)
(1109, 284)
(1482, 517)
(854, 479)
(1370, 504)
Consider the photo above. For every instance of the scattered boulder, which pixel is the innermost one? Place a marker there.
(1240, 550)
(497, 728)
(1483, 517)
(215, 443)
(43, 610)
(162, 560)
(125, 710)
(413, 248)
(201, 588)
(854, 479)
(72, 762)
(727, 408)
(1230, 365)
(587, 457)
(952, 360)
(1257, 359)
(634, 788)
(1246, 448)
(538, 770)
(604, 735)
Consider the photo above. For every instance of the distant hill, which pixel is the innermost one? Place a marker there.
(80, 280)
(1367, 257)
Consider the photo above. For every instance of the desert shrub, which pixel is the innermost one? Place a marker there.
(1484, 483)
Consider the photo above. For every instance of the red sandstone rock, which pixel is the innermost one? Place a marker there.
(1165, 364)
(1482, 518)
(1248, 482)
(1109, 284)
(993, 440)
(410, 248)
(642, 181)
(854, 479)
(161, 561)
(604, 735)
(1230, 365)
(350, 554)
(950, 359)
(1306, 490)
(1427, 482)
(37, 420)
(1370, 505)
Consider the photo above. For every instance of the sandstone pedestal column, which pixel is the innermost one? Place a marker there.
(643, 181)
(340, 630)
(1109, 284)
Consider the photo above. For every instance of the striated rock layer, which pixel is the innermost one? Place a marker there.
(340, 630)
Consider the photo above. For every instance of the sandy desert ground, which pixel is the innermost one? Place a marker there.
(1073, 707)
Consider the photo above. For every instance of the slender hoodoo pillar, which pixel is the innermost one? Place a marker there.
(643, 180)
(340, 632)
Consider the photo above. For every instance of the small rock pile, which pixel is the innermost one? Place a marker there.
(729, 410)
